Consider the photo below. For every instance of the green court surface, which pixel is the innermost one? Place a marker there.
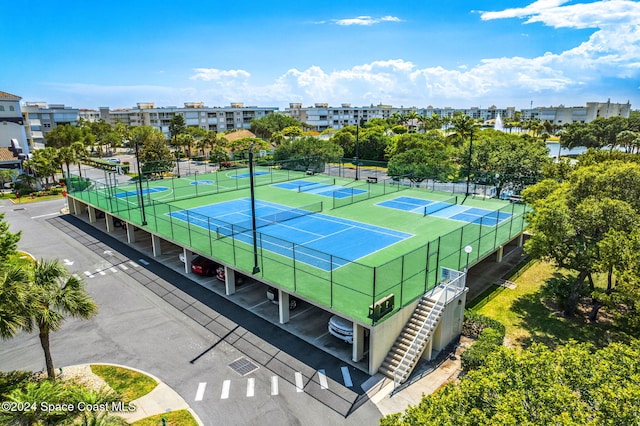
(353, 243)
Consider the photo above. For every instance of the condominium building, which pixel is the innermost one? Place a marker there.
(13, 138)
(196, 114)
(40, 118)
(577, 114)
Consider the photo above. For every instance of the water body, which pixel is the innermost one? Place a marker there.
(554, 150)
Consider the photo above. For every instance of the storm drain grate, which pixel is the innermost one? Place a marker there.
(243, 366)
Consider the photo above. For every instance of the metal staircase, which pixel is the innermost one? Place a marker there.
(412, 341)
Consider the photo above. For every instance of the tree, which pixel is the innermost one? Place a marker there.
(266, 126)
(429, 162)
(464, 127)
(6, 176)
(572, 385)
(52, 295)
(66, 156)
(177, 126)
(64, 135)
(8, 240)
(44, 164)
(153, 151)
(13, 280)
(308, 152)
(80, 153)
(577, 223)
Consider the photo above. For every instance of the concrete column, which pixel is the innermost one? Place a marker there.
(71, 202)
(499, 254)
(156, 245)
(92, 214)
(188, 256)
(131, 236)
(357, 351)
(229, 281)
(520, 240)
(283, 306)
(109, 221)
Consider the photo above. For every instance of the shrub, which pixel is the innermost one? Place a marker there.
(475, 323)
(488, 341)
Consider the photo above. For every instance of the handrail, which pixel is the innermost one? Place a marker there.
(442, 299)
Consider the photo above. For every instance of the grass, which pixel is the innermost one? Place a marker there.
(173, 418)
(128, 383)
(528, 318)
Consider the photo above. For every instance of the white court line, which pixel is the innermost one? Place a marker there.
(251, 387)
(200, 393)
(322, 376)
(226, 385)
(299, 382)
(346, 377)
(274, 385)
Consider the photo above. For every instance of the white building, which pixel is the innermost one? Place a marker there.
(13, 137)
(577, 114)
(196, 114)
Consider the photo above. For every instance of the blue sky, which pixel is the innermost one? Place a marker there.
(410, 53)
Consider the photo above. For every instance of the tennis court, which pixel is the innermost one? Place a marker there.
(136, 192)
(447, 209)
(325, 242)
(325, 188)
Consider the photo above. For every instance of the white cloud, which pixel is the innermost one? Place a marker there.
(208, 74)
(365, 20)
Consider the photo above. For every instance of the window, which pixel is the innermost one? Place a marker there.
(11, 108)
(1, 108)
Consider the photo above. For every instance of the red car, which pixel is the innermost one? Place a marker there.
(203, 266)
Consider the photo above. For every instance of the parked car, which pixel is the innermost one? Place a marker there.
(114, 160)
(272, 294)
(202, 266)
(341, 328)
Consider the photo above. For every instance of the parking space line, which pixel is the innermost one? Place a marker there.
(346, 376)
(322, 376)
(226, 385)
(251, 387)
(112, 269)
(101, 272)
(123, 266)
(299, 382)
(274, 385)
(200, 392)
(134, 264)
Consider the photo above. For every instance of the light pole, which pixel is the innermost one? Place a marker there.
(256, 268)
(468, 250)
(469, 162)
(357, 146)
(144, 217)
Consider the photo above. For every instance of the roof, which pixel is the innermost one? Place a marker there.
(239, 134)
(5, 95)
(7, 155)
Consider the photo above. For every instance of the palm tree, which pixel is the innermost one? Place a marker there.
(12, 301)
(53, 294)
(80, 154)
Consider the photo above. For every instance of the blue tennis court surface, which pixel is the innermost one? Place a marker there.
(144, 192)
(447, 209)
(201, 182)
(246, 175)
(326, 188)
(325, 242)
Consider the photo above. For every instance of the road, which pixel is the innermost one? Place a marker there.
(155, 319)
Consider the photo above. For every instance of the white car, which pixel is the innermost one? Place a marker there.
(114, 160)
(341, 328)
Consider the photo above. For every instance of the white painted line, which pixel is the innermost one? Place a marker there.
(299, 382)
(123, 266)
(274, 385)
(101, 272)
(226, 385)
(112, 269)
(346, 376)
(322, 376)
(87, 273)
(251, 387)
(44, 215)
(67, 262)
(134, 264)
(200, 393)
(144, 262)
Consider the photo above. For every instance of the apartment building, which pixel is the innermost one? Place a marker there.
(40, 118)
(577, 114)
(13, 137)
(219, 119)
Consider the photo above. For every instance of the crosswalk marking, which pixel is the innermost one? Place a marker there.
(200, 393)
(274, 385)
(112, 269)
(123, 266)
(322, 376)
(88, 274)
(346, 377)
(101, 272)
(299, 383)
(226, 385)
(251, 387)
(133, 264)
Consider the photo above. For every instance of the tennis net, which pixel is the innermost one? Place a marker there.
(440, 205)
(312, 185)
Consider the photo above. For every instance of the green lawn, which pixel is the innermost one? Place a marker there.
(529, 319)
(129, 384)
